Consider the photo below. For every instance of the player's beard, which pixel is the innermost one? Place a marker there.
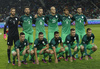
(27, 13)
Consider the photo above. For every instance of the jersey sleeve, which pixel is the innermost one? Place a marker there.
(6, 24)
(46, 42)
(84, 40)
(60, 40)
(73, 18)
(93, 38)
(46, 18)
(52, 43)
(77, 38)
(59, 17)
(35, 44)
(16, 45)
(85, 20)
(27, 43)
(21, 19)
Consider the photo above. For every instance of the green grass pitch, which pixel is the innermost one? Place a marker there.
(78, 64)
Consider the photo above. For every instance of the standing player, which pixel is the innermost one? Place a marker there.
(12, 23)
(79, 19)
(26, 21)
(86, 44)
(69, 43)
(66, 22)
(53, 47)
(19, 49)
(40, 47)
(39, 22)
(52, 19)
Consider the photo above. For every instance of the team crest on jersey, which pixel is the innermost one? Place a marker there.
(82, 16)
(59, 41)
(69, 17)
(56, 16)
(24, 43)
(91, 37)
(75, 38)
(43, 42)
(43, 18)
(67, 41)
(16, 19)
(34, 44)
(31, 17)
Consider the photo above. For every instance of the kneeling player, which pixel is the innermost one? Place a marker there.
(86, 45)
(40, 47)
(19, 49)
(69, 43)
(54, 49)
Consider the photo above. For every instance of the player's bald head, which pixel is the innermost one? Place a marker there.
(53, 10)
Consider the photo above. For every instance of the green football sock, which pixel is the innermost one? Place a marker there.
(25, 56)
(45, 55)
(30, 50)
(60, 54)
(13, 58)
(91, 51)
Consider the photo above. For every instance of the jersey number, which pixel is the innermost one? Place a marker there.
(40, 23)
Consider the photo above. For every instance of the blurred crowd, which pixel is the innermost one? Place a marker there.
(91, 8)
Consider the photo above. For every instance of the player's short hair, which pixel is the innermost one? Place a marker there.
(40, 8)
(72, 29)
(65, 8)
(40, 33)
(88, 29)
(22, 33)
(52, 6)
(26, 7)
(12, 8)
(56, 32)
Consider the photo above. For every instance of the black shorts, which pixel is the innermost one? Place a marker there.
(11, 39)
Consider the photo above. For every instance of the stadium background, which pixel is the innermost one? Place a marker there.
(91, 8)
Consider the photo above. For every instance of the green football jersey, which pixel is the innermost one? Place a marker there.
(19, 45)
(39, 22)
(39, 44)
(55, 42)
(27, 23)
(86, 39)
(79, 22)
(66, 22)
(70, 39)
(52, 22)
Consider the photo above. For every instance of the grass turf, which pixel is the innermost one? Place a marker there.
(78, 64)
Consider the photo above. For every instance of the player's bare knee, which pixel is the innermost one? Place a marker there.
(32, 52)
(82, 48)
(94, 48)
(47, 51)
(28, 52)
(14, 53)
(51, 52)
(62, 49)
